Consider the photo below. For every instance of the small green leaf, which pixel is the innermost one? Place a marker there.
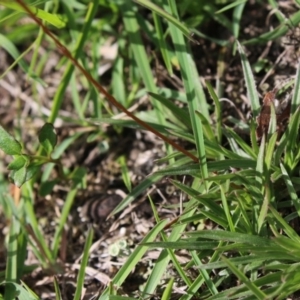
(48, 138)
(31, 170)
(8, 144)
(47, 187)
(19, 162)
(79, 177)
(22, 291)
(19, 176)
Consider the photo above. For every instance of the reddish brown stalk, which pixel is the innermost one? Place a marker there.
(110, 98)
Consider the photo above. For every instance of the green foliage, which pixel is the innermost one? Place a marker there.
(53, 19)
(24, 166)
(244, 189)
(8, 144)
(21, 291)
(48, 138)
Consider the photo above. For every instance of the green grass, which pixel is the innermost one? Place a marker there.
(248, 190)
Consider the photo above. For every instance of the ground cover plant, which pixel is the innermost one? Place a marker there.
(149, 113)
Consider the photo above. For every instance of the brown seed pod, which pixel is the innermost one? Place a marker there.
(263, 120)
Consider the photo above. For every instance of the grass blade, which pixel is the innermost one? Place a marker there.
(84, 262)
(134, 258)
(250, 82)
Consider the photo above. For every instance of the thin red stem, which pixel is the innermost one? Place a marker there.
(110, 98)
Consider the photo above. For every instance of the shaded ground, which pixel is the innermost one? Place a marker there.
(275, 62)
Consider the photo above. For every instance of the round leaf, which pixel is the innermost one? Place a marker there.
(48, 138)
